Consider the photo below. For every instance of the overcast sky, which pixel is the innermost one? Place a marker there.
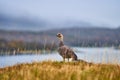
(94, 11)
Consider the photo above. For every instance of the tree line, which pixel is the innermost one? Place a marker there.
(18, 46)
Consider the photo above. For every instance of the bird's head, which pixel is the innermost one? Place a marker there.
(60, 36)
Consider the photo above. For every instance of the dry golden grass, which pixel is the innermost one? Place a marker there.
(61, 71)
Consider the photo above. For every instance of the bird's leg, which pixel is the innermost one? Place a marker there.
(68, 59)
(65, 56)
(72, 59)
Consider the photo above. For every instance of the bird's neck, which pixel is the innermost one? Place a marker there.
(61, 43)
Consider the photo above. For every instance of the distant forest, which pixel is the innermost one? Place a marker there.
(19, 46)
(82, 37)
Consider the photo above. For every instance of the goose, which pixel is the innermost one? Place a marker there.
(65, 51)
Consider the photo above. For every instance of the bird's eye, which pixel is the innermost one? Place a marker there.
(59, 34)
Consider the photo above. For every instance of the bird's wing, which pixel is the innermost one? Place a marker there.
(64, 50)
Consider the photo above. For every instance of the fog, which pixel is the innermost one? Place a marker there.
(50, 14)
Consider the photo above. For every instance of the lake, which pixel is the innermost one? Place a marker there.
(95, 55)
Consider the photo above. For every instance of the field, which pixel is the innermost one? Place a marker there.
(49, 70)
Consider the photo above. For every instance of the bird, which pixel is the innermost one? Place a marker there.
(65, 51)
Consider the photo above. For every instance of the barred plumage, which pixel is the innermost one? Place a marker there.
(64, 50)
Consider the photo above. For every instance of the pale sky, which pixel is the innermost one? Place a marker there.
(98, 12)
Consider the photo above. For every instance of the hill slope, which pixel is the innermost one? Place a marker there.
(61, 71)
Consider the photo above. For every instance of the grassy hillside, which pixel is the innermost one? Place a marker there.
(61, 71)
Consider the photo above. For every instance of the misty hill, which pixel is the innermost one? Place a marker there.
(72, 36)
(10, 22)
(21, 22)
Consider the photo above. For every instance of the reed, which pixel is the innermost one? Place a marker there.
(49, 70)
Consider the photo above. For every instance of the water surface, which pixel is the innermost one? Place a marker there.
(95, 55)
